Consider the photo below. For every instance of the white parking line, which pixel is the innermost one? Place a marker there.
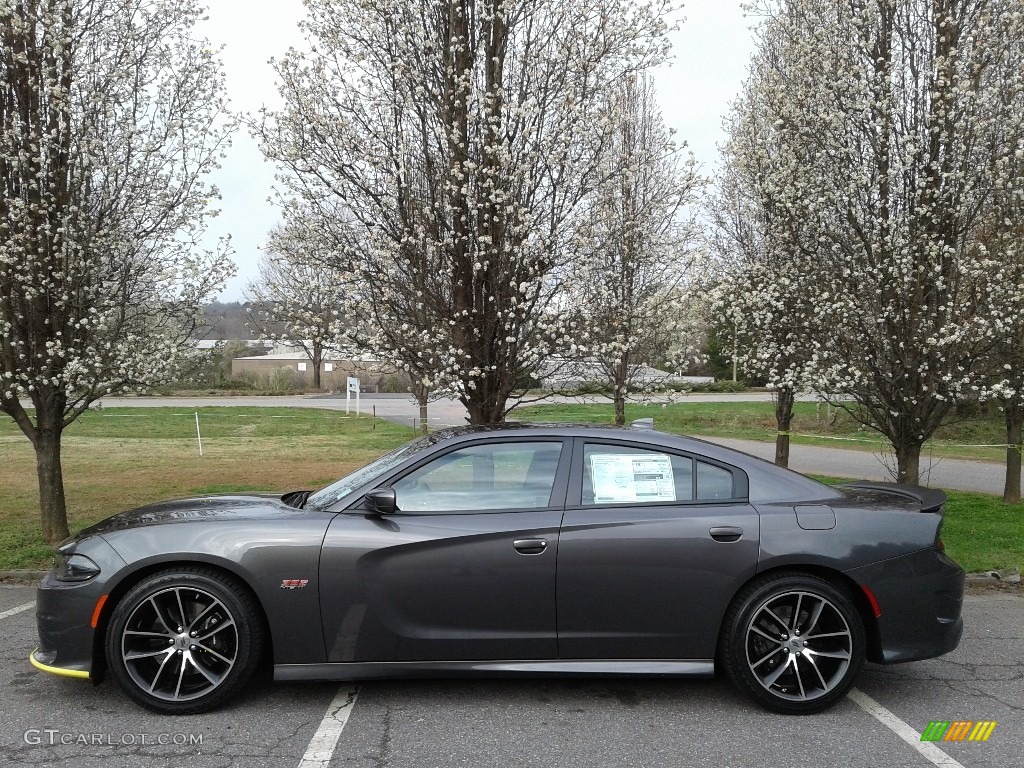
(19, 609)
(321, 746)
(931, 753)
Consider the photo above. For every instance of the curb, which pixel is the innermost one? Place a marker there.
(22, 576)
(989, 578)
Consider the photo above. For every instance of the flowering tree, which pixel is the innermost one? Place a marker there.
(107, 114)
(1000, 240)
(298, 290)
(891, 134)
(1006, 359)
(633, 243)
(457, 141)
(1008, 390)
(758, 313)
(759, 306)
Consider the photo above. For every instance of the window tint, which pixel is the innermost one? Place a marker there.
(484, 477)
(713, 482)
(615, 474)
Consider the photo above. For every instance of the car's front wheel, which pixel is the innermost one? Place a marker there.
(794, 642)
(185, 640)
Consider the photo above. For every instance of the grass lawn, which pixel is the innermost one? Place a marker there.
(119, 458)
(981, 533)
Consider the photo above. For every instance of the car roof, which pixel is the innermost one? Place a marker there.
(572, 429)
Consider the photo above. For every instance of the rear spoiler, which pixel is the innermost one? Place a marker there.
(930, 499)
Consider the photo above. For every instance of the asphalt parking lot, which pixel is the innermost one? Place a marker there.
(48, 721)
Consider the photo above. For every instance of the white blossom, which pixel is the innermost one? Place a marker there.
(111, 116)
(445, 150)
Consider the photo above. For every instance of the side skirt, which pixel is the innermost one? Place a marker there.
(554, 668)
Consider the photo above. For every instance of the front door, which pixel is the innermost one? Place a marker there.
(465, 570)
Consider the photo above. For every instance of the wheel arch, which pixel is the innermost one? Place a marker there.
(838, 579)
(117, 593)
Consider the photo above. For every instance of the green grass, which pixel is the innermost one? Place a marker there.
(120, 458)
(214, 422)
(982, 534)
(756, 421)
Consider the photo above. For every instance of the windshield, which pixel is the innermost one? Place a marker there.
(325, 497)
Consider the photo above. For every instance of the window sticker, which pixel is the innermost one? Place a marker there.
(627, 477)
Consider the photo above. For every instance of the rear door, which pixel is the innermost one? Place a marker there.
(464, 571)
(653, 545)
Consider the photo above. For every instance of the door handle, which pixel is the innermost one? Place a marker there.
(726, 533)
(530, 546)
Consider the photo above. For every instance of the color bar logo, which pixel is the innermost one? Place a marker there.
(958, 730)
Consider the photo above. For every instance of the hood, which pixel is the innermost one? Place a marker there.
(230, 506)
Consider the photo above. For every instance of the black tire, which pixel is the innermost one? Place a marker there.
(793, 642)
(185, 640)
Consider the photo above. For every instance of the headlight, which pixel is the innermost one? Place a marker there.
(74, 567)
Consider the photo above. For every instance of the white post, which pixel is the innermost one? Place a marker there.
(352, 385)
(199, 435)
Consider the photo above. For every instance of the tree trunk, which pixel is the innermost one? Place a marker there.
(486, 401)
(318, 356)
(784, 399)
(619, 376)
(908, 463)
(422, 399)
(485, 411)
(45, 436)
(1014, 423)
(620, 406)
(52, 506)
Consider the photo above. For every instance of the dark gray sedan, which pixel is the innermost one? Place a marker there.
(517, 550)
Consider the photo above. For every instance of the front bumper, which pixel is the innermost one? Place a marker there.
(44, 661)
(920, 596)
(65, 612)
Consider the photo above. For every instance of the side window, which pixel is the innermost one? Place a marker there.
(482, 477)
(713, 482)
(616, 474)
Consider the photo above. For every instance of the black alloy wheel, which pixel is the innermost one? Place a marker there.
(793, 642)
(184, 641)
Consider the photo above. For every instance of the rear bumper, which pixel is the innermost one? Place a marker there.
(920, 596)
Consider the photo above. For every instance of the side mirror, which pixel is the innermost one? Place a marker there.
(382, 501)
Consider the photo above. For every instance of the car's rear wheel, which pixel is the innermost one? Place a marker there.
(793, 642)
(183, 641)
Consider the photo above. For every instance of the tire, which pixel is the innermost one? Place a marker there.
(182, 666)
(793, 642)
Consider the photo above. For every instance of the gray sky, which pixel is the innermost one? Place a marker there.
(711, 50)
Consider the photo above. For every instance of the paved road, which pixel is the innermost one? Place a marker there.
(527, 723)
(981, 476)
